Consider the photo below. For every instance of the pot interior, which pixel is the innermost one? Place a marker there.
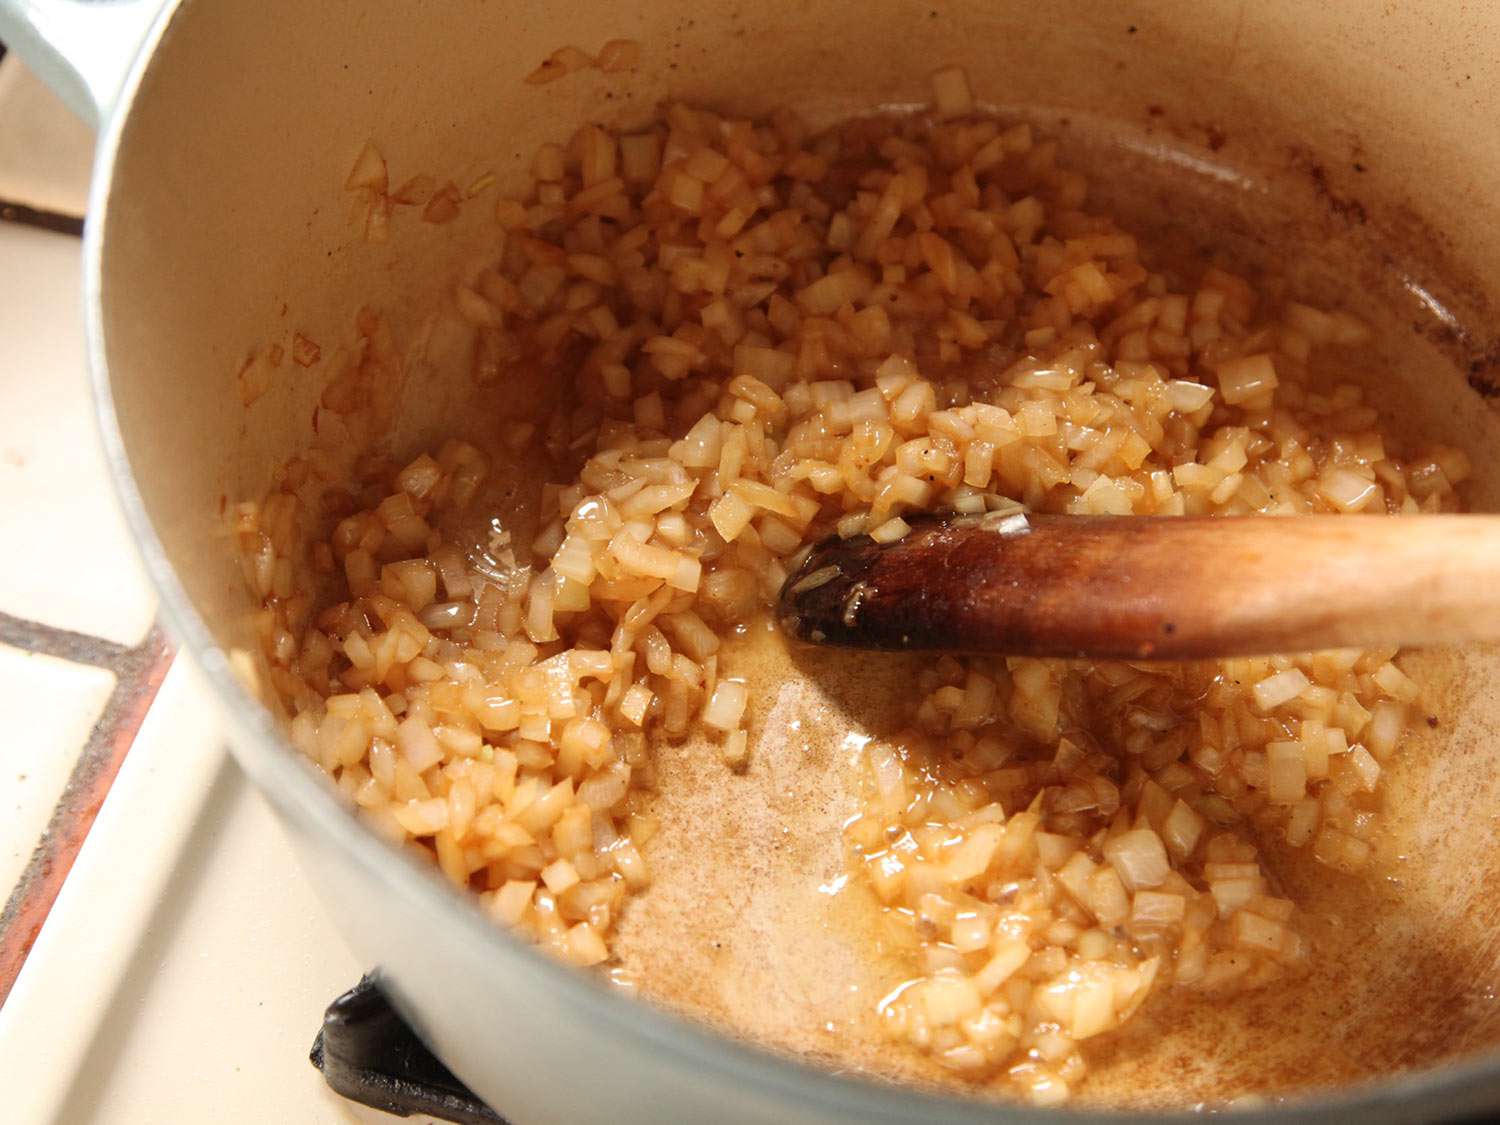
(1350, 152)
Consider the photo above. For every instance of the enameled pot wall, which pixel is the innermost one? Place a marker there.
(1352, 142)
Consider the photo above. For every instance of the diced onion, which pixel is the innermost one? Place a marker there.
(1241, 380)
(1152, 908)
(1347, 490)
(951, 94)
(1286, 772)
(726, 706)
(1139, 857)
(1188, 398)
(1281, 688)
(418, 745)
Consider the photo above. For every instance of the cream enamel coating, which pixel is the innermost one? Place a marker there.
(1362, 138)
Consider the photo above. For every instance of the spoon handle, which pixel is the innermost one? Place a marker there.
(1179, 588)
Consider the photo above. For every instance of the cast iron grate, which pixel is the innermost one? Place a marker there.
(368, 1054)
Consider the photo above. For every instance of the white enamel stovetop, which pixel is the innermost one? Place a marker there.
(161, 957)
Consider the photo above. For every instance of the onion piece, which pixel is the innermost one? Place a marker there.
(1139, 857)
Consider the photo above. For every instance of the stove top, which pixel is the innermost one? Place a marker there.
(161, 957)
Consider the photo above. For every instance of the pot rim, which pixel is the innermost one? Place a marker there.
(302, 798)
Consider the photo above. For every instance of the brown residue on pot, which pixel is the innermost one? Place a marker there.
(305, 352)
(1484, 372)
(1346, 207)
(253, 379)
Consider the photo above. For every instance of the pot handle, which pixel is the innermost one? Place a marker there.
(82, 50)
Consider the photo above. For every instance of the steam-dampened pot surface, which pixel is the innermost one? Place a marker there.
(1420, 987)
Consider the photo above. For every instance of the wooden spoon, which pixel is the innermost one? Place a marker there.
(1129, 587)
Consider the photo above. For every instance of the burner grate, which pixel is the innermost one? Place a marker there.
(368, 1054)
